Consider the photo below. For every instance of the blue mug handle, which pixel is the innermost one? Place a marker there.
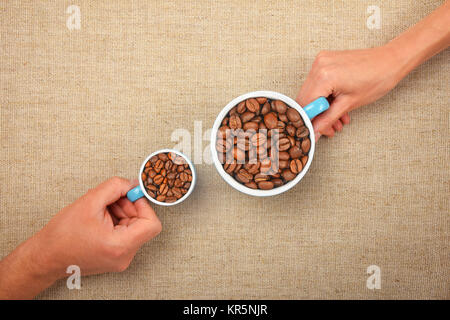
(135, 193)
(316, 107)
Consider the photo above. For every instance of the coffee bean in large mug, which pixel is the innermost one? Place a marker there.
(262, 143)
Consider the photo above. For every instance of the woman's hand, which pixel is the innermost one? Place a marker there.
(349, 79)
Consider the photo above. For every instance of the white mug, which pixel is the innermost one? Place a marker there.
(310, 111)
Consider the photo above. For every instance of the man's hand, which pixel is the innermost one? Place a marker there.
(100, 232)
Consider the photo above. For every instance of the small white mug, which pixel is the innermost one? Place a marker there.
(139, 191)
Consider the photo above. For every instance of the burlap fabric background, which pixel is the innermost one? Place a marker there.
(80, 106)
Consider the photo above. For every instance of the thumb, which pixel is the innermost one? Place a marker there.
(323, 122)
(145, 227)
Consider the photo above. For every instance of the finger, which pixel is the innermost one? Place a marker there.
(312, 89)
(128, 207)
(146, 227)
(337, 126)
(144, 210)
(324, 121)
(345, 119)
(116, 211)
(329, 132)
(112, 190)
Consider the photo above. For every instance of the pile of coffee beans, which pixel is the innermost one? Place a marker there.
(167, 177)
(263, 143)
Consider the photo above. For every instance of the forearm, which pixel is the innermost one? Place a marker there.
(422, 41)
(24, 273)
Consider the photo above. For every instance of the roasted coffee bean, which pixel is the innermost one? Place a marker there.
(293, 115)
(158, 165)
(251, 185)
(163, 156)
(258, 139)
(304, 160)
(290, 130)
(171, 175)
(291, 140)
(296, 166)
(265, 185)
(283, 164)
(168, 165)
(166, 177)
(265, 108)
(271, 120)
(295, 152)
(254, 168)
(298, 123)
(178, 183)
(243, 176)
(177, 192)
(241, 107)
(153, 159)
(279, 106)
(306, 145)
(171, 199)
(163, 189)
(283, 155)
(277, 182)
(261, 177)
(235, 122)
(184, 176)
(158, 179)
(251, 126)
(247, 116)
(252, 105)
(261, 100)
(284, 144)
(161, 198)
(283, 118)
(302, 132)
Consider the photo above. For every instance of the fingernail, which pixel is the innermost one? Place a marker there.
(134, 181)
(317, 135)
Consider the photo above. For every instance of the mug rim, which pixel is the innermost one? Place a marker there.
(228, 178)
(184, 197)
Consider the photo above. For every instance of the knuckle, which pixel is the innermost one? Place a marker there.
(122, 266)
(321, 56)
(157, 227)
(115, 180)
(115, 250)
(324, 73)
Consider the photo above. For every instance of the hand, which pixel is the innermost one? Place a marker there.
(99, 232)
(349, 79)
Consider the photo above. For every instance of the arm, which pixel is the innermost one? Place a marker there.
(354, 78)
(100, 232)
